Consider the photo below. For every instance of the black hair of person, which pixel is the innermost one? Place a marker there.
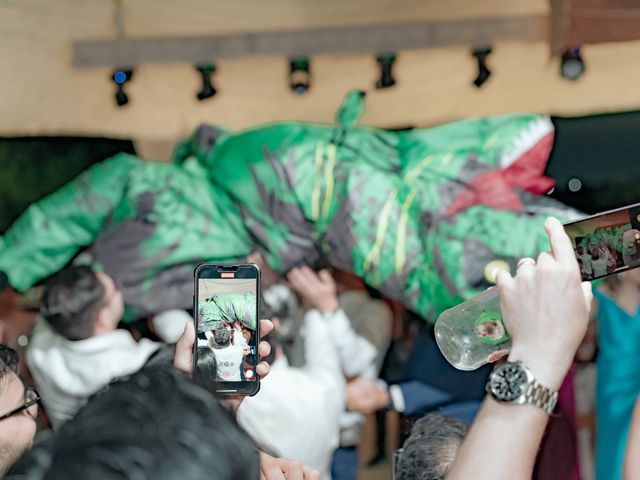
(206, 369)
(222, 337)
(71, 301)
(431, 448)
(157, 424)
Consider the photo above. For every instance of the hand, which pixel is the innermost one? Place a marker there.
(366, 396)
(546, 309)
(318, 290)
(183, 358)
(281, 469)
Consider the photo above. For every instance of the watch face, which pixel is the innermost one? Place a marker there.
(508, 382)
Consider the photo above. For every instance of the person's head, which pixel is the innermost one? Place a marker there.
(580, 249)
(221, 337)
(157, 424)
(595, 252)
(79, 303)
(431, 448)
(17, 424)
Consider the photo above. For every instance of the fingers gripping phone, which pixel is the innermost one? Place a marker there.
(226, 306)
(607, 243)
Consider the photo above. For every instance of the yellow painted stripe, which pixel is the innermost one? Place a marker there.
(490, 141)
(402, 231)
(315, 194)
(445, 161)
(373, 258)
(415, 171)
(329, 179)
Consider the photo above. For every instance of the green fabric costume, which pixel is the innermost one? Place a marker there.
(229, 307)
(418, 214)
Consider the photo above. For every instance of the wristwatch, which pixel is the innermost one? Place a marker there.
(513, 382)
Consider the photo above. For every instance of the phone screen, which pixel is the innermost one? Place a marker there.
(227, 328)
(607, 243)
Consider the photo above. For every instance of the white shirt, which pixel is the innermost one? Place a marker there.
(68, 372)
(586, 262)
(297, 411)
(600, 265)
(229, 359)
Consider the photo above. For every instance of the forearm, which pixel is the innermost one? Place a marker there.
(632, 459)
(502, 443)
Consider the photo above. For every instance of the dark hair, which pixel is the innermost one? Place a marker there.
(156, 425)
(71, 302)
(431, 448)
(206, 369)
(222, 337)
(8, 360)
(8, 363)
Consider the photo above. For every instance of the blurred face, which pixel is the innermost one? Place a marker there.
(580, 250)
(113, 302)
(17, 431)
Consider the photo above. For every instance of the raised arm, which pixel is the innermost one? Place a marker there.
(546, 310)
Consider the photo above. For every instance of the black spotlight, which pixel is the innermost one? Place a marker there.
(300, 75)
(571, 65)
(208, 90)
(386, 62)
(484, 73)
(120, 77)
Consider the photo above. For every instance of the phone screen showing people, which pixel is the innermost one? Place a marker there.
(607, 243)
(227, 328)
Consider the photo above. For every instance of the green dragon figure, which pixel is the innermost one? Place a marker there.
(418, 214)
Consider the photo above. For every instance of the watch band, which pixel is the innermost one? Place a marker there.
(532, 392)
(541, 396)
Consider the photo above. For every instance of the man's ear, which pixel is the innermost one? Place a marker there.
(102, 321)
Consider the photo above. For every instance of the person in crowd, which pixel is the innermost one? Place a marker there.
(186, 434)
(298, 409)
(617, 314)
(545, 308)
(584, 259)
(428, 383)
(77, 348)
(370, 318)
(18, 411)
(602, 262)
(229, 354)
(271, 468)
(429, 450)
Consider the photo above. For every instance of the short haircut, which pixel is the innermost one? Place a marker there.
(8, 360)
(222, 337)
(71, 302)
(8, 363)
(157, 425)
(431, 448)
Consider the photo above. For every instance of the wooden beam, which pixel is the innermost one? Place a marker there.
(353, 39)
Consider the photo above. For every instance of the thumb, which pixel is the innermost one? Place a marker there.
(183, 358)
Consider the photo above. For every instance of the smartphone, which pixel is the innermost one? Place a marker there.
(607, 243)
(226, 306)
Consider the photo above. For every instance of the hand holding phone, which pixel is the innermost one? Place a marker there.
(226, 306)
(606, 243)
